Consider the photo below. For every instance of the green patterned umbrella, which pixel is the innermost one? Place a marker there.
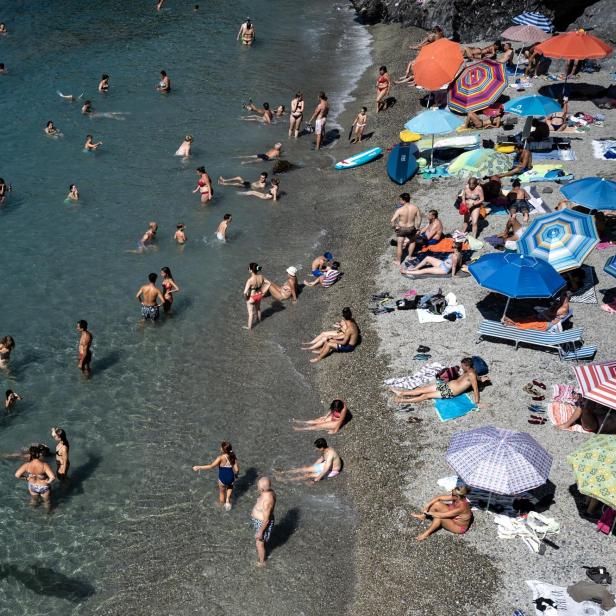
(594, 465)
(480, 163)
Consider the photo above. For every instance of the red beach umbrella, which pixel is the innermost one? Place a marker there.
(597, 382)
(577, 45)
(437, 64)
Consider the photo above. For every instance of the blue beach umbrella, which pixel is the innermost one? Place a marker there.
(529, 18)
(563, 239)
(516, 276)
(533, 105)
(594, 193)
(610, 266)
(434, 122)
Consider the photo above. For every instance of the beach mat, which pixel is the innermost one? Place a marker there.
(559, 413)
(453, 408)
(444, 245)
(586, 295)
(425, 316)
(556, 154)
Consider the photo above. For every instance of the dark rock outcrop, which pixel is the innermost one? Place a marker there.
(600, 20)
(472, 20)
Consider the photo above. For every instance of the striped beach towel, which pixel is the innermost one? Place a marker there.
(559, 413)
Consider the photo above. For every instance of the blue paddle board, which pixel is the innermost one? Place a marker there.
(359, 159)
(402, 164)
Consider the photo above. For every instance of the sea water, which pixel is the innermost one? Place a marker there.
(136, 531)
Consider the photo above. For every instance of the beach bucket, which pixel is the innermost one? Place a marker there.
(408, 137)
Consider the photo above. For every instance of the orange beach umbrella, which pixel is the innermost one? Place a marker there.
(577, 45)
(437, 64)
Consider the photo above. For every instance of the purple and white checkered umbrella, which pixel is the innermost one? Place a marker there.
(498, 460)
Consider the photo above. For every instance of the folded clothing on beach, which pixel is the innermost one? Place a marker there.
(425, 316)
(566, 605)
(604, 149)
(452, 408)
(530, 323)
(424, 375)
(444, 245)
(559, 413)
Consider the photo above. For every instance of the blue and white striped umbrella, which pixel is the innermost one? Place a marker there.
(610, 266)
(563, 239)
(499, 460)
(528, 18)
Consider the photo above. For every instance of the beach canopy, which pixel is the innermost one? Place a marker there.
(499, 460)
(595, 193)
(528, 18)
(525, 34)
(478, 86)
(564, 239)
(577, 45)
(437, 64)
(479, 163)
(434, 122)
(532, 105)
(597, 382)
(516, 276)
(610, 266)
(594, 466)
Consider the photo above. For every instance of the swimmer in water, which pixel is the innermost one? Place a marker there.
(4, 190)
(73, 193)
(272, 154)
(103, 84)
(180, 234)
(89, 145)
(204, 186)
(51, 130)
(10, 398)
(3, 70)
(221, 232)
(184, 149)
(147, 238)
(159, 4)
(87, 107)
(164, 85)
(246, 33)
(3, 29)
(264, 114)
(260, 184)
(270, 195)
(69, 97)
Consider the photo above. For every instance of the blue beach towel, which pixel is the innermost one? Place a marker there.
(452, 408)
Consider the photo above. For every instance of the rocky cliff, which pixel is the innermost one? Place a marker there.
(473, 20)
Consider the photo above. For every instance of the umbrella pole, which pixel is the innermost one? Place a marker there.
(506, 307)
(489, 499)
(604, 420)
(517, 64)
(432, 154)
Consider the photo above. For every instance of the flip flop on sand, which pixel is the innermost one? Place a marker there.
(538, 422)
(539, 384)
(529, 389)
(414, 420)
(422, 349)
(538, 398)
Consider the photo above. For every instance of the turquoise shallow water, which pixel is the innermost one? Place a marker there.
(137, 532)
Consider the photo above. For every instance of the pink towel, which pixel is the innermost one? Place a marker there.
(559, 413)
(563, 393)
(605, 245)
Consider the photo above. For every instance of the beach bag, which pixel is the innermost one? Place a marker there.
(407, 304)
(458, 202)
(449, 374)
(480, 366)
(437, 304)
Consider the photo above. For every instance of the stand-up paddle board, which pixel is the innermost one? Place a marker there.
(359, 159)
(402, 164)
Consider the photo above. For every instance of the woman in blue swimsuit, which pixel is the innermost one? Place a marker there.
(228, 470)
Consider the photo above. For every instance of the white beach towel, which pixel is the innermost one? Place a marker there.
(566, 606)
(425, 316)
(539, 205)
(424, 375)
(599, 147)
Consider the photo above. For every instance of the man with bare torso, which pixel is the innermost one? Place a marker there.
(320, 118)
(432, 233)
(148, 295)
(343, 341)
(405, 221)
(263, 517)
(326, 466)
(85, 342)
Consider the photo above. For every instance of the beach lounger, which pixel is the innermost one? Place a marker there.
(566, 343)
(464, 142)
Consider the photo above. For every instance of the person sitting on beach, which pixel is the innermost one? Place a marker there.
(405, 221)
(522, 162)
(517, 199)
(540, 131)
(450, 511)
(288, 290)
(494, 119)
(259, 184)
(592, 416)
(492, 189)
(164, 85)
(512, 233)
(506, 56)
(270, 195)
(332, 421)
(431, 233)
(536, 62)
(472, 198)
(89, 145)
(184, 149)
(326, 466)
(272, 154)
(51, 130)
(319, 264)
(327, 277)
(546, 319)
(228, 471)
(434, 35)
(264, 114)
(343, 341)
(443, 389)
(10, 398)
(557, 121)
(408, 77)
(431, 266)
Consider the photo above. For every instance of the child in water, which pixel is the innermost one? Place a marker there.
(221, 232)
(73, 193)
(89, 145)
(180, 235)
(359, 124)
(10, 399)
(184, 149)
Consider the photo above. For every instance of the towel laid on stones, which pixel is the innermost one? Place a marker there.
(453, 408)
(424, 375)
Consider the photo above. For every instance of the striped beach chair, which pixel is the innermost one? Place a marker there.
(568, 344)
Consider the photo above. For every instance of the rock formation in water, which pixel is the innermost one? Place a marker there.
(474, 20)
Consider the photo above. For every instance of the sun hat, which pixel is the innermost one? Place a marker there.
(291, 271)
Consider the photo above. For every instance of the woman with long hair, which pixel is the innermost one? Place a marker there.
(62, 447)
(228, 470)
(39, 476)
(169, 288)
(254, 290)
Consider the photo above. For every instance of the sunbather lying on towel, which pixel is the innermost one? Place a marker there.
(551, 317)
(592, 417)
(449, 511)
(443, 389)
(436, 267)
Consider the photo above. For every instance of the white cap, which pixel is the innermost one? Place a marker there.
(291, 271)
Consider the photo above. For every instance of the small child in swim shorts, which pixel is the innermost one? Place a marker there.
(221, 232)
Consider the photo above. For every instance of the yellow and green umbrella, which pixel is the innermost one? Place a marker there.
(594, 465)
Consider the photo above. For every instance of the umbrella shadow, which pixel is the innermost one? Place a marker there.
(576, 91)
(48, 582)
(581, 504)
(492, 306)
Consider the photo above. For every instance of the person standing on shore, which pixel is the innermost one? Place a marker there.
(359, 125)
(247, 32)
(149, 295)
(296, 115)
(263, 518)
(228, 470)
(383, 85)
(319, 117)
(62, 447)
(85, 352)
(405, 221)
